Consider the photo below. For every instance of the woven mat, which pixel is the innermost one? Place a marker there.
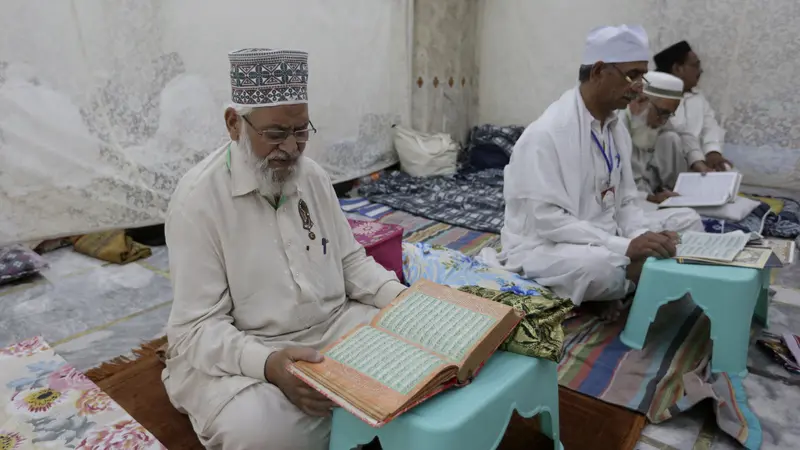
(136, 385)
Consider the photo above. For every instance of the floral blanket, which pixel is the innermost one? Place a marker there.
(49, 404)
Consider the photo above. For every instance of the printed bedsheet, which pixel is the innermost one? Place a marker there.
(50, 404)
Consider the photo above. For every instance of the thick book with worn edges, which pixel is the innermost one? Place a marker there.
(430, 338)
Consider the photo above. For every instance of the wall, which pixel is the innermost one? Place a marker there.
(530, 52)
(445, 42)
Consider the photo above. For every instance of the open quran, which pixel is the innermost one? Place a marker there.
(430, 338)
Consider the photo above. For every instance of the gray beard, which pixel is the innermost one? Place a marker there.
(271, 182)
(642, 135)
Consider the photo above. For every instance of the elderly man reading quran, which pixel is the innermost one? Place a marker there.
(572, 221)
(265, 269)
(694, 113)
(661, 150)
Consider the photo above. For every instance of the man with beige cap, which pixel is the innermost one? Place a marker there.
(265, 269)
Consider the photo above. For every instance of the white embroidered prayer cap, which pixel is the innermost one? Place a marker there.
(616, 44)
(263, 77)
(664, 85)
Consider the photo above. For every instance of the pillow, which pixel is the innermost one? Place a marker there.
(736, 211)
(17, 262)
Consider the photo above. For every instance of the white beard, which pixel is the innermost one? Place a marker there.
(270, 181)
(643, 136)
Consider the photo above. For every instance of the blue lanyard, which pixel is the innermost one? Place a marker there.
(607, 157)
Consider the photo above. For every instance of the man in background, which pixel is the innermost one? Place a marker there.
(661, 151)
(694, 113)
(572, 222)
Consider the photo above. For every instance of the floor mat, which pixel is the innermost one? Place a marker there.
(418, 229)
(136, 386)
(669, 376)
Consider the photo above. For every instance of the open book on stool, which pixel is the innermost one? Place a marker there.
(428, 339)
(724, 249)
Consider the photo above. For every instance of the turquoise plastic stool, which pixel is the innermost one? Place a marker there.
(729, 296)
(473, 417)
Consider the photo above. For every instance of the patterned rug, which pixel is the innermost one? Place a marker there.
(418, 229)
(49, 404)
(585, 422)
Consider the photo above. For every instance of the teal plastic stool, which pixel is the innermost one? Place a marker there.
(729, 296)
(473, 417)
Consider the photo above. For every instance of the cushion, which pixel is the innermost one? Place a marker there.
(18, 262)
(383, 242)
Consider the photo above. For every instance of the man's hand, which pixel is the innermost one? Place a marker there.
(661, 196)
(715, 161)
(658, 245)
(701, 167)
(308, 400)
(675, 237)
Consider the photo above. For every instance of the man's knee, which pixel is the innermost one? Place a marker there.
(262, 417)
(597, 267)
(669, 140)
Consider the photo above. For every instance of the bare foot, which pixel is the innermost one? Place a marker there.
(607, 311)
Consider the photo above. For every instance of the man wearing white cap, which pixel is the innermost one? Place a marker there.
(661, 151)
(572, 221)
(265, 269)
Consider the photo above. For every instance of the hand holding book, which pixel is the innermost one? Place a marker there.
(299, 393)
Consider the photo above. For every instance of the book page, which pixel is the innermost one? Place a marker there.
(441, 326)
(695, 189)
(723, 246)
(391, 362)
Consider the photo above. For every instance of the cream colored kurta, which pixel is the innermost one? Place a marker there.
(248, 280)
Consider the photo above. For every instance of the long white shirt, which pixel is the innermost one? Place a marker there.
(555, 178)
(248, 278)
(696, 116)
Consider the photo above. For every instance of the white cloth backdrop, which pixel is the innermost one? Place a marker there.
(530, 53)
(104, 105)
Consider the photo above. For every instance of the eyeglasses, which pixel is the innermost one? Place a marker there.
(279, 135)
(639, 80)
(661, 113)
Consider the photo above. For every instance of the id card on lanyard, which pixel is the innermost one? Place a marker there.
(607, 195)
(607, 155)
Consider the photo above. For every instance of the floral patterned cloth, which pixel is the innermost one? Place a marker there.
(455, 269)
(49, 404)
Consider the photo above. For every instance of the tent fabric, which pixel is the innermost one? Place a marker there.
(105, 105)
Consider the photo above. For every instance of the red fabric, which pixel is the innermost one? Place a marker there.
(384, 242)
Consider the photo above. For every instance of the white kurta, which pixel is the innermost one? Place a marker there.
(696, 116)
(558, 230)
(248, 280)
(657, 168)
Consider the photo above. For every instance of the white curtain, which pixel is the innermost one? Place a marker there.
(530, 53)
(105, 105)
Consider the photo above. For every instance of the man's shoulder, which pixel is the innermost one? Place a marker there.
(313, 174)
(201, 183)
